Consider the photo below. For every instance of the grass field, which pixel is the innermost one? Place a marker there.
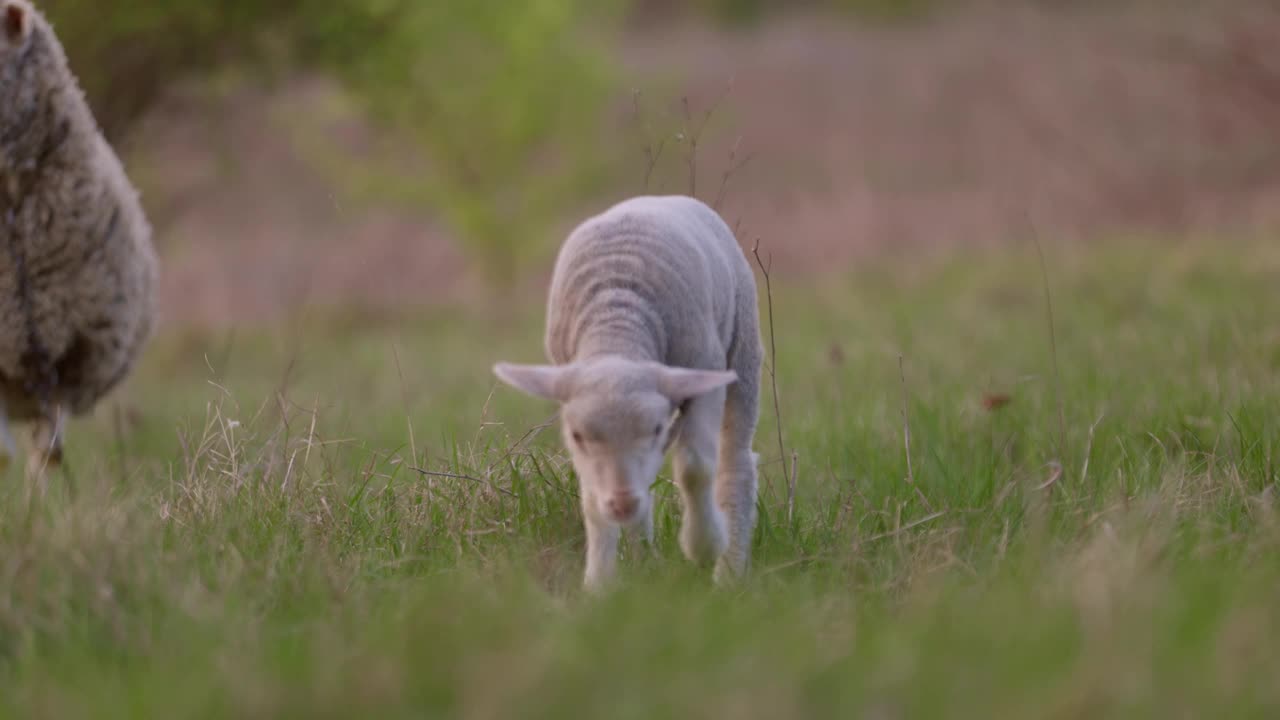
(244, 533)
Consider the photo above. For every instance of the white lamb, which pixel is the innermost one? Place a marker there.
(653, 329)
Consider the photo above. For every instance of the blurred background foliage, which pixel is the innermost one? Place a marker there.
(472, 132)
(493, 96)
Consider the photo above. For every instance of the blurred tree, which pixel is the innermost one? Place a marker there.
(746, 12)
(495, 96)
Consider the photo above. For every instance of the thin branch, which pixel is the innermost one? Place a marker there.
(651, 153)
(1053, 339)
(735, 164)
(901, 529)
(1088, 450)
(1053, 476)
(791, 488)
(456, 476)
(906, 424)
(691, 155)
(531, 432)
(906, 439)
(773, 352)
(691, 135)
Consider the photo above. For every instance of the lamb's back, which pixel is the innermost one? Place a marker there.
(658, 275)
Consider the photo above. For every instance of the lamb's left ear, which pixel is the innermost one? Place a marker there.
(553, 382)
(15, 22)
(680, 384)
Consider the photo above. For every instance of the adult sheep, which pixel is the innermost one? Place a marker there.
(652, 330)
(77, 269)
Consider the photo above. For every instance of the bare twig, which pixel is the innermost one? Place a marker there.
(457, 476)
(1055, 473)
(1053, 339)
(735, 164)
(773, 351)
(690, 137)
(691, 134)
(122, 450)
(791, 488)
(1088, 449)
(652, 153)
(404, 398)
(906, 424)
(906, 439)
(531, 432)
(903, 528)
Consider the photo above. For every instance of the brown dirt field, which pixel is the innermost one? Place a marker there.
(864, 142)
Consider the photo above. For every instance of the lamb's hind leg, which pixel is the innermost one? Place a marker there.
(736, 494)
(736, 481)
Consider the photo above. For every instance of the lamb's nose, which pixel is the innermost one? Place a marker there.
(622, 506)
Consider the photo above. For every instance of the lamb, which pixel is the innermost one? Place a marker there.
(653, 333)
(77, 268)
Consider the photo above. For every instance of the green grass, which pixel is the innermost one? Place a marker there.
(243, 534)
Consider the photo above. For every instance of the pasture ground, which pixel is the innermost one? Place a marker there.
(244, 534)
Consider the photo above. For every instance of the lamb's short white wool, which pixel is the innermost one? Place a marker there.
(653, 335)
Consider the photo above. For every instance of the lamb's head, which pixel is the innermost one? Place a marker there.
(616, 417)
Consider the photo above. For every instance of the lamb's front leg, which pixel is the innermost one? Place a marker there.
(602, 549)
(702, 530)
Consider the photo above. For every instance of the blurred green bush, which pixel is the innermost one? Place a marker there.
(492, 93)
(495, 96)
(743, 12)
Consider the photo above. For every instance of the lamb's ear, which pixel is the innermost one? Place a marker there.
(16, 22)
(680, 384)
(546, 381)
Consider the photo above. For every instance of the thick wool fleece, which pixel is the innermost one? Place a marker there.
(77, 268)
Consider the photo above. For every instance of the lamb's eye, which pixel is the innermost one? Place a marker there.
(577, 437)
(657, 430)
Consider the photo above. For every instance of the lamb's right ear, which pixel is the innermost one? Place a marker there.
(16, 22)
(552, 382)
(680, 384)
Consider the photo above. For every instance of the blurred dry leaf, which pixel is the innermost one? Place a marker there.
(995, 401)
(835, 354)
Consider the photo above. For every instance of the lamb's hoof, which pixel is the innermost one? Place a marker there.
(729, 573)
(6, 460)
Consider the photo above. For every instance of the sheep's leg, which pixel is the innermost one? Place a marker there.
(602, 549)
(8, 448)
(45, 453)
(736, 482)
(702, 530)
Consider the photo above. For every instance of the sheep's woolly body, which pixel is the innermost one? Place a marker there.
(662, 279)
(77, 268)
